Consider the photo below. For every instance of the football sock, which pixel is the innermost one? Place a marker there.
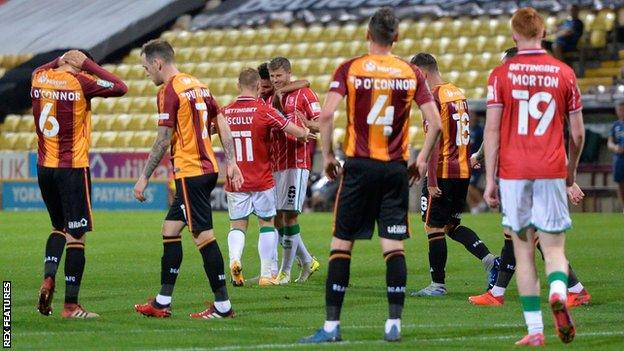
(74, 267)
(470, 240)
(236, 244)
(329, 326)
(213, 266)
(266, 246)
(575, 289)
(396, 279)
(337, 282)
(289, 245)
(392, 322)
(572, 279)
(278, 241)
(507, 265)
(437, 256)
(163, 300)
(497, 291)
(53, 253)
(532, 314)
(169, 267)
(223, 306)
(302, 252)
(558, 282)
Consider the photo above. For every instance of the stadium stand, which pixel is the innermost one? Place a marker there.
(467, 46)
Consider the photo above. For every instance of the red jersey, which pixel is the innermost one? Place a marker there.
(288, 152)
(187, 106)
(454, 144)
(251, 121)
(380, 90)
(536, 92)
(61, 104)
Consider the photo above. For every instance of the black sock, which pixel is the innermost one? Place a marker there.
(437, 256)
(170, 263)
(338, 271)
(470, 240)
(396, 279)
(74, 267)
(214, 268)
(53, 253)
(507, 265)
(572, 279)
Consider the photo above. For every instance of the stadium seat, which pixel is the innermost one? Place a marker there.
(121, 122)
(26, 141)
(598, 39)
(123, 140)
(297, 34)
(317, 49)
(143, 139)
(106, 140)
(7, 141)
(347, 32)
(10, 123)
(318, 66)
(605, 20)
(445, 62)
(26, 124)
(404, 47)
(331, 32)
(103, 123)
(334, 49)
(320, 83)
(95, 136)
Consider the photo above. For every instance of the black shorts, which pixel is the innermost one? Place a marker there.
(191, 203)
(372, 191)
(66, 193)
(446, 209)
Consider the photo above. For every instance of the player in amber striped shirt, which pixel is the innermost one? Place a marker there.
(380, 89)
(61, 95)
(445, 189)
(186, 109)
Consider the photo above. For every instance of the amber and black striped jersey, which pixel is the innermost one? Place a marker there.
(380, 90)
(454, 144)
(61, 103)
(187, 106)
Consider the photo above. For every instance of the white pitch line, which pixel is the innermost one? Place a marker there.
(368, 342)
(378, 326)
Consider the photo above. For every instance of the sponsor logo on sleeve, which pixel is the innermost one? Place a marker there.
(163, 116)
(104, 83)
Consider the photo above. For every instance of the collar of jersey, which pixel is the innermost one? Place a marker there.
(531, 51)
(245, 98)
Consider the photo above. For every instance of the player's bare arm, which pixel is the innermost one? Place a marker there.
(577, 139)
(477, 158)
(326, 121)
(301, 133)
(160, 147)
(491, 140)
(312, 124)
(234, 175)
(296, 85)
(432, 116)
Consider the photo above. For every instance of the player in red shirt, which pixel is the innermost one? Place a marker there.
(529, 98)
(251, 122)
(292, 162)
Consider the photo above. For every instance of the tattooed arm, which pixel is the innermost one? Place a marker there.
(161, 145)
(234, 175)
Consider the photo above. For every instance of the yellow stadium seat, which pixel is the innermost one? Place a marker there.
(466, 80)
(439, 28)
(247, 36)
(598, 38)
(10, 123)
(404, 47)
(95, 120)
(95, 136)
(143, 105)
(314, 33)
(106, 140)
(481, 79)
(123, 140)
(462, 62)
(334, 49)
(123, 105)
(102, 123)
(360, 32)
(347, 32)
(231, 37)
(280, 35)
(354, 48)
(317, 49)
(141, 140)
(301, 66)
(605, 20)
(27, 124)
(121, 122)
(26, 141)
(331, 32)
(445, 62)
(423, 45)
(7, 141)
(320, 83)
(201, 54)
(297, 34)
(136, 71)
(317, 67)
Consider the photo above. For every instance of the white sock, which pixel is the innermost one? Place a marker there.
(558, 287)
(497, 291)
(289, 251)
(223, 306)
(163, 300)
(329, 326)
(577, 288)
(275, 259)
(392, 322)
(236, 244)
(534, 322)
(266, 248)
(302, 253)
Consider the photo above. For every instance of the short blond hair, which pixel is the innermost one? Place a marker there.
(528, 23)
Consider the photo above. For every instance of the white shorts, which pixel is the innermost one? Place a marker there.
(541, 204)
(290, 188)
(242, 204)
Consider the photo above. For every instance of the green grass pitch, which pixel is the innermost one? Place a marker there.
(123, 268)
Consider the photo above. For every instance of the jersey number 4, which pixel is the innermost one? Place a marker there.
(375, 118)
(48, 125)
(528, 105)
